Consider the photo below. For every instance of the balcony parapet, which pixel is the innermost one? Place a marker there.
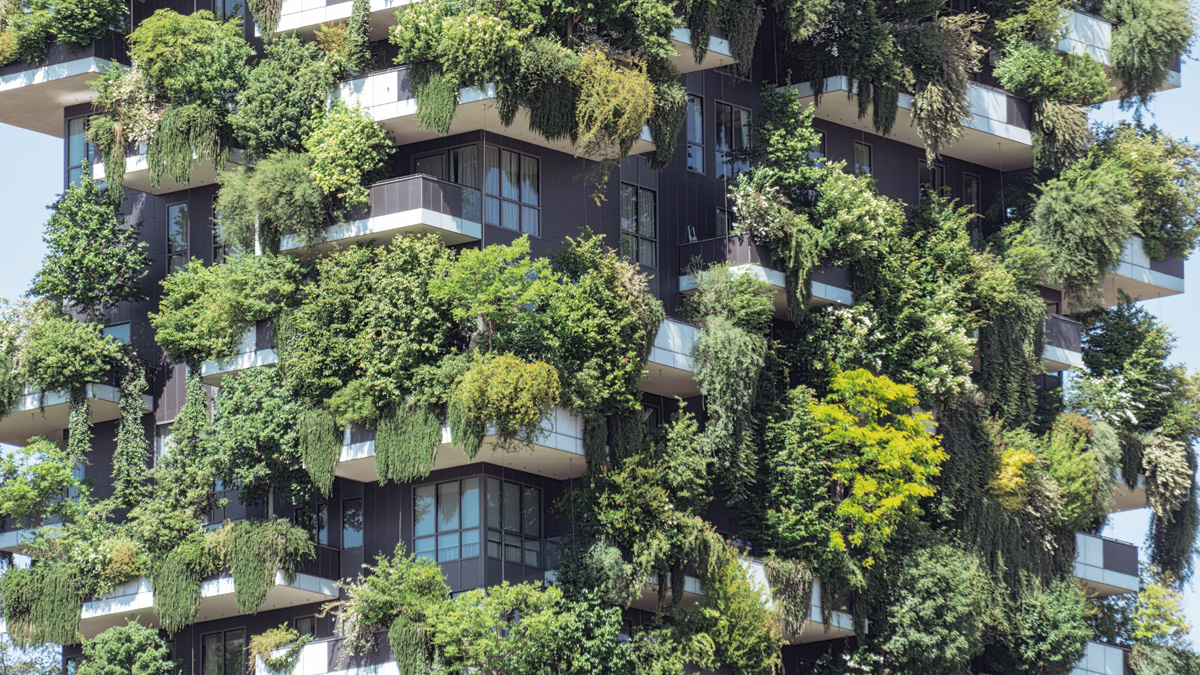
(137, 172)
(1102, 659)
(1106, 566)
(256, 348)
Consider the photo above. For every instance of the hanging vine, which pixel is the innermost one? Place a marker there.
(407, 441)
(186, 132)
(176, 580)
(258, 550)
(42, 603)
(79, 426)
(320, 446)
(132, 452)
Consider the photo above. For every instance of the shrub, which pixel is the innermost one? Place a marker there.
(502, 392)
(204, 311)
(263, 645)
(278, 196)
(34, 479)
(615, 101)
(283, 98)
(348, 149)
(1047, 631)
(81, 22)
(64, 355)
(185, 134)
(1039, 72)
(1082, 462)
(191, 58)
(1149, 36)
(132, 648)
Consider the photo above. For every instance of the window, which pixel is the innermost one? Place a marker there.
(639, 225)
(459, 166)
(513, 190)
(817, 154)
(306, 625)
(227, 9)
(446, 520)
(70, 665)
(695, 134)
(314, 518)
(733, 133)
(78, 149)
(971, 192)
(177, 236)
(223, 653)
(118, 330)
(352, 523)
(724, 219)
(218, 241)
(862, 157)
(514, 522)
(930, 177)
(162, 443)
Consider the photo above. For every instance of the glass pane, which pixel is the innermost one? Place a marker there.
(464, 166)
(447, 506)
(75, 176)
(470, 543)
(177, 223)
(176, 263)
(352, 523)
(862, 157)
(695, 158)
(531, 510)
(493, 211)
(510, 170)
(447, 547)
(433, 165)
(210, 655)
(628, 208)
(971, 192)
(512, 548)
(695, 122)
(470, 502)
(529, 180)
(120, 331)
(493, 544)
(307, 626)
(741, 128)
(510, 216)
(493, 502)
(323, 524)
(75, 141)
(424, 547)
(629, 246)
(423, 516)
(471, 206)
(529, 220)
(647, 215)
(235, 657)
(724, 126)
(492, 155)
(533, 553)
(648, 252)
(722, 222)
(512, 507)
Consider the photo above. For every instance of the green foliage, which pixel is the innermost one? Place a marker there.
(1039, 72)
(320, 442)
(1150, 34)
(81, 22)
(283, 97)
(65, 355)
(406, 442)
(272, 639)
(1082, 458)
(34, 480)
(93, 260)
(276, 197)
(258, 550)
(733, 614)
(132, 648)
(615, 102)
(205, 310)
(255, 439)
(186, 133)
(191, 59)
(1149, 659)
(347, 148)
(367, 325)
(42, 603)
(1010, 356)
(1083, 218)
(358, 37)
(670, 112)
(131, 111)
(79, 427)
(1046, 631)
(743, 300)
(266, 15)
(505, 395)
(938, 612)
(478, 630)
(951, 55)
(176, 580)
(131, 456)
(791, 583)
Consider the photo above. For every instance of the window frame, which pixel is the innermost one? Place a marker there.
(636, 234)
(241, 660)
(937, 170)
(461, 527)
(296, 624)
(870, 166)
(504, 538)
(524, 209)
(361, 524)
(89, 150)
(183, 253)
(301, 518)
(726, 169)
(689, 128)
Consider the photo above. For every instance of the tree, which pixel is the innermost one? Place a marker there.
(94, 260)
(283, 95)
(191, 58)
(34, 479)
(122, 650)
(35, 660)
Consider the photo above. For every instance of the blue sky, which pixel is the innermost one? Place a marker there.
(31, 178)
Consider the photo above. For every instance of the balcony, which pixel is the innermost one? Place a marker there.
(557, 452)
(32, 96)
(718, 53)
(409, 205)
(1090, 34)
(1106, 566)
(669, 370)
(137, 173)
(997, 135)
(1137, 275)
(325, 657)
(135, 599)
(257, 348)
(830, 285)
(1064, 344)
(14, 535)
(388, 96)
(37, 414)
(1102, 659)
(841, 624)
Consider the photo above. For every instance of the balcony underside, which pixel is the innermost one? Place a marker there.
(38, 415)
(669, 369)
(135, 600)
(1127, 498)
(557, 453)
(986, 139)
(34, 99)
(137, 174)
(386, 96)
(1136, 275)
